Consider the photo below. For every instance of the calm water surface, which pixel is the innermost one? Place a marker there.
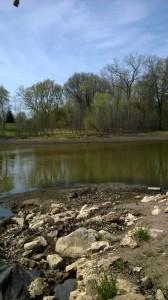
(26, 168)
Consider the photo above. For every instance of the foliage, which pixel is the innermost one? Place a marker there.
(106, 286)
(9, 117)
(141, 234)
(119, 264)
(4, 103)
(129, 95)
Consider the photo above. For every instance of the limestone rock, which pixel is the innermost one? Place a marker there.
(111, 217)
(128, 241)
(98, 246)
(37, 287)
(19, 221)
(166, 210)
(78, 295)
(159, 295)
(56, 208)
(76, 243)
(151, 198)
(156, 211)
(36, 244)
(55, 261)
(106, 236)
(37, 224)
(130, 219)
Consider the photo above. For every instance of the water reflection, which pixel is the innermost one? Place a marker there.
(27, 168)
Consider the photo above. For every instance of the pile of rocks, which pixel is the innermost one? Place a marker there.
(73, 247)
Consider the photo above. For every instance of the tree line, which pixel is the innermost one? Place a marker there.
(128, 95)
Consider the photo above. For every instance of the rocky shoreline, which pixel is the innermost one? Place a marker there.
(66, 238)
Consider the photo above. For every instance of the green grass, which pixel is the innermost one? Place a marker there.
(9, 130)
(119, 265)
(141, 234)
(106, 287)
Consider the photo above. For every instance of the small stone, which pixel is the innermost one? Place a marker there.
(155, 232)
(36, 225)
(128, 241)
(19, 221)
(53, 233)
(30, 216)
(98, 246)
(137, 269)
(159, 295)
(55, 261)
(111, 217)
(166, 210)
(156, 211)
(37, 243)
(37, 287)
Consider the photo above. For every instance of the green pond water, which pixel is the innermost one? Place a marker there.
(26, 168)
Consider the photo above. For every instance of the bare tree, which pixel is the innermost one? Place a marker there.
(124, 75)
(156, 79)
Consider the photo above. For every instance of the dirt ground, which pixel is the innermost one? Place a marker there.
(152, 255)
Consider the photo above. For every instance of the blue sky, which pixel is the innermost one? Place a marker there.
(54, 38)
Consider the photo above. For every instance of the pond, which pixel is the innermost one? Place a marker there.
(26, 168)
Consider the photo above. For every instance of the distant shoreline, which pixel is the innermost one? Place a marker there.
(140, 137)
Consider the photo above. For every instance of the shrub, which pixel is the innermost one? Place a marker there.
(106, 286)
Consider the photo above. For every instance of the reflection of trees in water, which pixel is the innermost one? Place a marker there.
(13, 170)
(51, 165)
(5, 184)
(46, 173)
(5, 180)
(163, 164)
(131, 163)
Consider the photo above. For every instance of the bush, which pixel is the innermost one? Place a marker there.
(106, 286)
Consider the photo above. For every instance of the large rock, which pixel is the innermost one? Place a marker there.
(76, 243)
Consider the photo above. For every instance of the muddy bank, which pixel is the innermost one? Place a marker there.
(159, 136)
(104, 216)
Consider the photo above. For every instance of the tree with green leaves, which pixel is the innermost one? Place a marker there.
(43, 99)
(79, 91)
(4, 104)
